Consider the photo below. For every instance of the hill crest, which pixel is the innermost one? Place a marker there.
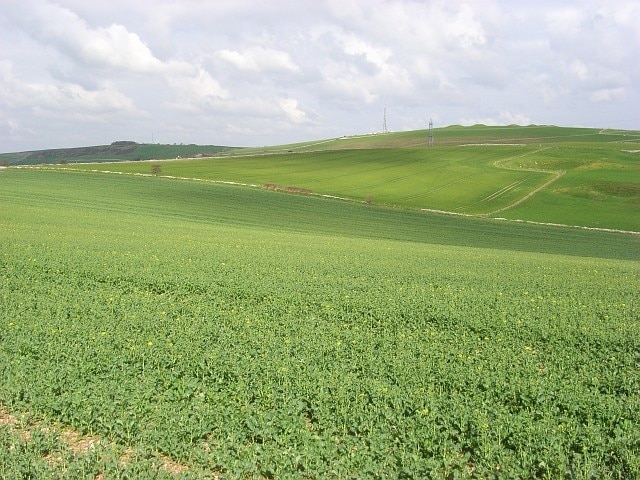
(451, 135)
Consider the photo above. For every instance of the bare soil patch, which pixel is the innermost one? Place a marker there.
(272, 186)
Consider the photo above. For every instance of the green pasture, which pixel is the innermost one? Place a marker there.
(585, 184)
(598, 186)
(236, 332)
(459, 179)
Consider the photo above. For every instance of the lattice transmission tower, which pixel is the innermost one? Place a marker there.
(430, 140)
(384, 120)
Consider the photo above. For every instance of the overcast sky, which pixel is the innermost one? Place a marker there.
(249, 73)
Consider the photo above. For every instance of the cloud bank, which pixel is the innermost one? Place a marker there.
(236, 73)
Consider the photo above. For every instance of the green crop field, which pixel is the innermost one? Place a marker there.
(571, 176)
(162, 328)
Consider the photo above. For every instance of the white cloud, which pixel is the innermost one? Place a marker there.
(259, 59)
(464, 28)
(109, 47)
(344, 84)
(548, 90)
(198, 87)
(354, 45)
(504, 118)
(607, 94)
(62, 97)
(290, 107)
(579, 69)
(116, 47)
(244, 72)
(357, 70)
(566, 21)
(514, 118)
(71, 97)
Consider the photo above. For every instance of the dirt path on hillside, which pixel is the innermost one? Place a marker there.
(530, 194)
(556, 173)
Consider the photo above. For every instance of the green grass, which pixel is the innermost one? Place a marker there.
(237, 332)
(456, 135)
(258, 209)
(599, 186)
(255, 334)
(440, 178)
(543, 182)
(574, 176)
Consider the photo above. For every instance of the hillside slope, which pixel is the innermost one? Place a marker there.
(245, 333)
(582, 177)
(573, 176)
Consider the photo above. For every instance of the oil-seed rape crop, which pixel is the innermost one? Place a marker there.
(247, 350)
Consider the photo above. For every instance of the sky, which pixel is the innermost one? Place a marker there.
(252, 73)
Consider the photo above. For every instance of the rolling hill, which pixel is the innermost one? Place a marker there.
(182, 327)
(571, 176)
(221, 331)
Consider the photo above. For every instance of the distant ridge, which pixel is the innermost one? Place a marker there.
(451, 135)
(122, 150)
(115, 149)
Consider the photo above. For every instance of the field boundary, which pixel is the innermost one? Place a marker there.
(532, 222)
